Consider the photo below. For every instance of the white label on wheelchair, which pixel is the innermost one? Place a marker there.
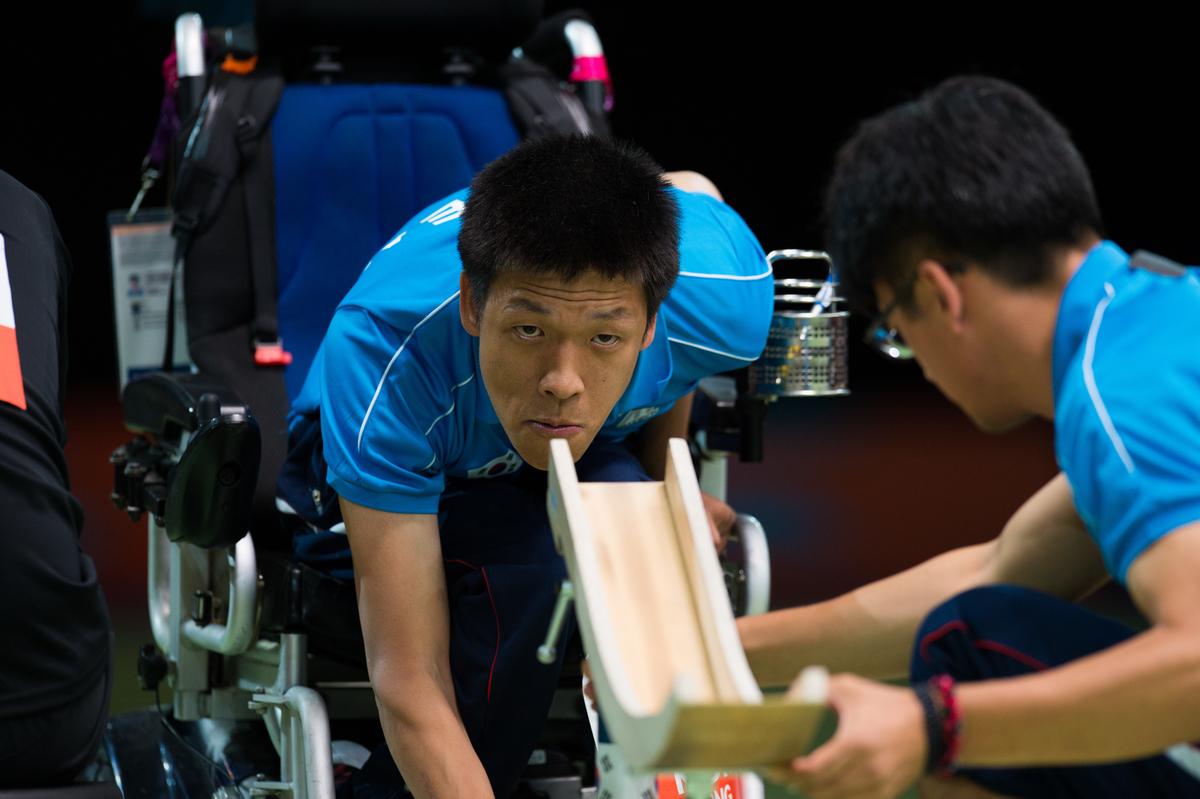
(142, 255)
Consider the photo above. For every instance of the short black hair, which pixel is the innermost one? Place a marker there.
(974, 169)
(564, 206)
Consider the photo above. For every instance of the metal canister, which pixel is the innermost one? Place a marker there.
(806, 352)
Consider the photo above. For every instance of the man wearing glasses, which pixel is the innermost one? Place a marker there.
(968, 218)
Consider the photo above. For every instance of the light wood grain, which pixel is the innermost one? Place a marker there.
(671, 678)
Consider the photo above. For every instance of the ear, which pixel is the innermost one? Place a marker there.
(648, 337)
(935, 280)
(466, 306)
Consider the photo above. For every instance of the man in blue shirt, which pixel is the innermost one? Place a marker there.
(967, 218)
(571, 293)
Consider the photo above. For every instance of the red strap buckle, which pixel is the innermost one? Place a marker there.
(271, 353)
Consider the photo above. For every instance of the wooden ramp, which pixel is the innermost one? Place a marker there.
(671, 679)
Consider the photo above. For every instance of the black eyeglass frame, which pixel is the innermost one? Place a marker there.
(886, 340)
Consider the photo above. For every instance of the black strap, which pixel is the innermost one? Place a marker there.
(934, 718)
(1156, 263)
(227, 141)
(540, 106)
(258, 183)
(169, 351)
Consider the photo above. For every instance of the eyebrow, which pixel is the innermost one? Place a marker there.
(522, 304)
(620, 312)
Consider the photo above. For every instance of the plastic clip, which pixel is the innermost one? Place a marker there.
(271, 353)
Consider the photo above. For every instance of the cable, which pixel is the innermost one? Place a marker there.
(225, 772)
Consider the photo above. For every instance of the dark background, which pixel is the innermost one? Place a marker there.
(756, 96)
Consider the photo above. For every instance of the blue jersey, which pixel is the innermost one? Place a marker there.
(397, 381)
(1127, 401)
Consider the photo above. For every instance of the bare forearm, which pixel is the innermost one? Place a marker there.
(832, 634)
(430, 746)
(1130, 701)
(868, 631)
(658, 431)
(405, 618)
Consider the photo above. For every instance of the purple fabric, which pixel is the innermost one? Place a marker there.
(164, 132)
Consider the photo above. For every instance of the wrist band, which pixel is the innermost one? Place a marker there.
(951, 722)
(943, 721)
(933, 725)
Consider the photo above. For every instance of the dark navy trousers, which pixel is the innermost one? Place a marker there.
(1005, 631)
(502, 576)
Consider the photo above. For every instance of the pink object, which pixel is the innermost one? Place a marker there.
(271, 353)
(590, 68)
(170, 73)
(951, 723)
(594, 68)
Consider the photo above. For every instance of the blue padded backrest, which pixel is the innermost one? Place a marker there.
(352, 164)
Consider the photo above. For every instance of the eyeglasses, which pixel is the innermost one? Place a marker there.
(885, 339)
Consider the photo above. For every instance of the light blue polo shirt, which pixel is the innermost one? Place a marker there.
(397, 381)
(1127, 401)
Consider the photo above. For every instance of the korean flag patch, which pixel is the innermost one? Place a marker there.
(507, 463)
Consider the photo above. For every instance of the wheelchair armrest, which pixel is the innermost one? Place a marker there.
(211, 489)
(747, 566)
(167, 405)
(757, 564)
(198, 473)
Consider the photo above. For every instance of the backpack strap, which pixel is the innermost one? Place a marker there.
(258, 183)
(540, 105)
(227, 142)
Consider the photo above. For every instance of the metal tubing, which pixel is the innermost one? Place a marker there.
(158, 587)
(237, 633)
(758, 563)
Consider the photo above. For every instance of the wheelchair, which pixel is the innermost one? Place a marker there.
(263, 650)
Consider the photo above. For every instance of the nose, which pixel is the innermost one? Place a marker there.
(561, 379)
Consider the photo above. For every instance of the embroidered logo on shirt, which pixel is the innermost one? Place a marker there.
(507, 463)
(447, 213)
(638, 415)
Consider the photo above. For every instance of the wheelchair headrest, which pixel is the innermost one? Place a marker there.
(488, 27)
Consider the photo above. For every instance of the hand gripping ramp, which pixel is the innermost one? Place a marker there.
(672, 681)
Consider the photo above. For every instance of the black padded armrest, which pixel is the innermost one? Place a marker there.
(202, 494)
(211, 489)
(166, 405)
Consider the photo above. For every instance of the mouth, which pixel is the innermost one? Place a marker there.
(554, 428)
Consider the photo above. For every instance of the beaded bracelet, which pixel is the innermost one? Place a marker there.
(943, 722)
(951, 722)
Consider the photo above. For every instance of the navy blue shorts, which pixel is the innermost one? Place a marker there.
(1005, 631)
(502, 576)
